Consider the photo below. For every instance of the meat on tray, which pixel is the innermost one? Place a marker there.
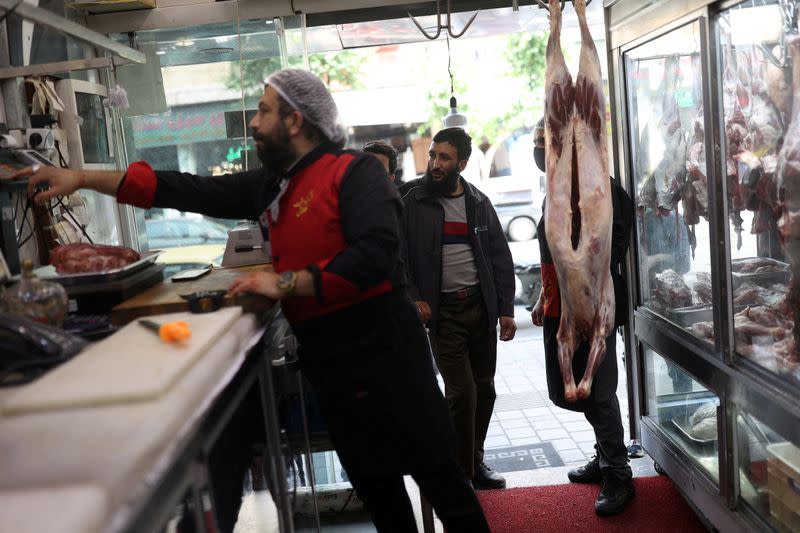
(702, 288)
(670, 291)
(751, 294)
(81, 257)
(757, 265)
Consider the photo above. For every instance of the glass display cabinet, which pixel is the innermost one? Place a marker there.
(705, 107)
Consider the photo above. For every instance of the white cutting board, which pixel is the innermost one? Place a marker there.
(132, 365)
(67, 509)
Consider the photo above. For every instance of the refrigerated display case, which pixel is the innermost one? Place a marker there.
(707, 141)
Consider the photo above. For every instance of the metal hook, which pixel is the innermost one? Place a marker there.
(439, 24)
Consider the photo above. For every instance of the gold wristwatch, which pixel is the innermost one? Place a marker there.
(287, 282)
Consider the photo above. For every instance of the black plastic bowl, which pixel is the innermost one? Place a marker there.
(204, 301)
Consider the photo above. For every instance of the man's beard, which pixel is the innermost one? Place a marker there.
(444, 186)
(274, 150)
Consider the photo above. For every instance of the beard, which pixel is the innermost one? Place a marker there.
(444, 186)
(274, 149)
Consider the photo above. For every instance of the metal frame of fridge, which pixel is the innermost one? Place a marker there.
(737, 383)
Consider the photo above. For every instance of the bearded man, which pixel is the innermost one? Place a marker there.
(334, 227)
(461, 276)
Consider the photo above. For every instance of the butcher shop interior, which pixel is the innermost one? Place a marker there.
(129, 358)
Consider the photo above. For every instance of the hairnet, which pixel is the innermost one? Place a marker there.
(306, 93)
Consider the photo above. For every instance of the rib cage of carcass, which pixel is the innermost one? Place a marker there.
(578, 214)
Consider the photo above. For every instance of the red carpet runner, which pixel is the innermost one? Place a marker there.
(658, 506)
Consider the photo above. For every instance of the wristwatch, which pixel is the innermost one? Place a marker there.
(287, 282)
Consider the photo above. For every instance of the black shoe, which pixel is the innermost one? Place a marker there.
(486, 478)
(614, 497)
(587, 474)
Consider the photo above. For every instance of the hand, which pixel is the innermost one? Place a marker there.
(424, 311)
(537, 315)
(61, 181)
(507, 328)
(265, 283)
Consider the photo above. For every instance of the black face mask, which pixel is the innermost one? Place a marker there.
(538, 156)
(443, 187)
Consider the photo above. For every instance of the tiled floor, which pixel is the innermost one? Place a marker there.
(525, 415)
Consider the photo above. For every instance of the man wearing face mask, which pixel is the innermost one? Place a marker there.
(609, 466)
(334, 226)
(462, 278)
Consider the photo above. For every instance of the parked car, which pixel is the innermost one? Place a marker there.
(519, 220)
(174, 232)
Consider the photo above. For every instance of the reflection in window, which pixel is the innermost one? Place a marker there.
(684, 409)
(665, 82)
(757, 105)
(769, 472)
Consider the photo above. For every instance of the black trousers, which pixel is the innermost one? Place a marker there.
(465, 349)
(447, 490)
(601, 409)
(612, 454)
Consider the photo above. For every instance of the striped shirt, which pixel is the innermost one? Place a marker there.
(458, 262)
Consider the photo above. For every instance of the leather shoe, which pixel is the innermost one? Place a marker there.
(486, 478)
(589, 473)
(614, 497)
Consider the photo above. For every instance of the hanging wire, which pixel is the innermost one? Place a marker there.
(450, 72)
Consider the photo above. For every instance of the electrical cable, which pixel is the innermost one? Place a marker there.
(450, 72)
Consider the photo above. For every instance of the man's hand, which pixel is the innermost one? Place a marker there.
(424, 311)
(61, 181)
(507, 328)
(537, 315)
(265, 283)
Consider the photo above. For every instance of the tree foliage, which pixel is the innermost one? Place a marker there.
(339, 70)
(525, 56)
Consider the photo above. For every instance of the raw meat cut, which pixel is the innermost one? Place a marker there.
(670, 291)
(579, 211)
(81, 257)
(789, 193)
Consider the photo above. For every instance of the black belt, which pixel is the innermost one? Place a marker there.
(461, 294)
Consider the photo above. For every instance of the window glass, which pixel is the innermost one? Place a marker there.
(759, 154)
(189, 112)
(769, 472)
(664, 79)
(684, 410)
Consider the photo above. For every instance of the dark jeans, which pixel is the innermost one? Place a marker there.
(465, 349)
(612, 455)
(447, 490)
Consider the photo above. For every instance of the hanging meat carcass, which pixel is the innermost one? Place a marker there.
(789, 193)
(670, 174)
(579, 211)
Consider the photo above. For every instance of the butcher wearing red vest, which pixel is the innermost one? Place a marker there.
(333, 218)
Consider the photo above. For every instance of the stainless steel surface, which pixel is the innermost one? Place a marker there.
(49, 272)
(73, 29)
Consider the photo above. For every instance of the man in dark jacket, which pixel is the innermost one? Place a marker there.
(462, 278)
(334, 226)
(601, 409)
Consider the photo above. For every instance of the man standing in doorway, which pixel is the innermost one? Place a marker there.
(462, 278)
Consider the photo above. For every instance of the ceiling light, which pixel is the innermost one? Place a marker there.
(184, 43)
(160, 52)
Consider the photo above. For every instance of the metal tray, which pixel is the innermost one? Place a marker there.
(760, 278)
(706, 445)
(686, 316)
(48, 272)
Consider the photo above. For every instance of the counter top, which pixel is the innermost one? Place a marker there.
(165, 297)
(122, 448)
